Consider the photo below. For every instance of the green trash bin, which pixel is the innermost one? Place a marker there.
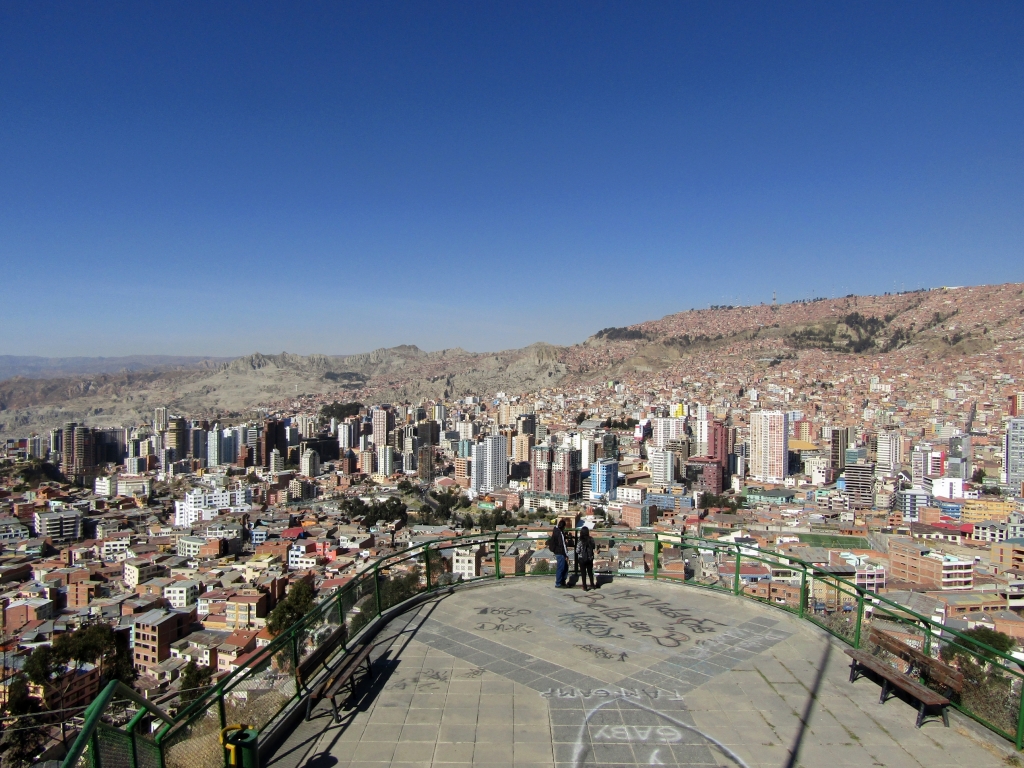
(241, 746)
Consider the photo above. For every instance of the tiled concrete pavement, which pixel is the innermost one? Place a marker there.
(519, 674)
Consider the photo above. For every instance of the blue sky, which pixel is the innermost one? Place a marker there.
(219, 178)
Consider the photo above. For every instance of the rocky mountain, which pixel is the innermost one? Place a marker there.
(946, 322)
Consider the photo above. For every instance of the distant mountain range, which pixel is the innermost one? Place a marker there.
(50, 367)
(905, 328)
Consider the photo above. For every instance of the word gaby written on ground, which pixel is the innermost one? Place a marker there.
(606, 619)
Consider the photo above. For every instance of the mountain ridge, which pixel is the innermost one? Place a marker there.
(961, 322)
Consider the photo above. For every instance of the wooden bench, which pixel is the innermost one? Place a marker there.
(309, 666)
(933, 670)
(342, 679)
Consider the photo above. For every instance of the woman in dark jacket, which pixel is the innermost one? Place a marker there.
(585, 547)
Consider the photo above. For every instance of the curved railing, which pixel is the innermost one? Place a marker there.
(280, 675)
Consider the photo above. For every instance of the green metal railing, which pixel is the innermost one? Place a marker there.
(279, 676)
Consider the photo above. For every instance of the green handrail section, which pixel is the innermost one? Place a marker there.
(279, 676)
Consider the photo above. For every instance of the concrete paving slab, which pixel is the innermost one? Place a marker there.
(519, 675)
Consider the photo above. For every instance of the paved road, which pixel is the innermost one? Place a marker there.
(635, 673)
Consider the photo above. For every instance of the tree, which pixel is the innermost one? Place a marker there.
(978, 476)
(963, 647)
(21, 742)
(296, 604)
(540, 568)
(581, 417)
(195, 681)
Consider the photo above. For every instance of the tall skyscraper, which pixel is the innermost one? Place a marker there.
(566, 472)
(662, 464)
(769, 446)
(159, 419)
(1013, 453)
(385, 460)
(348, 433)
(540, 468)
(309, 463)
(958, 463)
(839, 441)
(522, 445)
(889, 453)
(383, 421)
(273, 437)
(663, 430)
(490, 464)
(604, 480)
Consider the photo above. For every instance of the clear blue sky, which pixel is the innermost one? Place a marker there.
(213, 178)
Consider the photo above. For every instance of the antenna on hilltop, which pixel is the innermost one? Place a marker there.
(773, 298)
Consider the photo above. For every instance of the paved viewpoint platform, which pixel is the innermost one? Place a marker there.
(635, 673)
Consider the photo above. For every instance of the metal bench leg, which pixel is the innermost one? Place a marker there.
(309, 706)
(853, 671)
(337, 714)
(920, 714)
(885, 692)
(945, 716)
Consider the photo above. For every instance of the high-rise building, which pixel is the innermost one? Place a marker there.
(769, 446)
(604, 479)
(175, 437)
(428, 432)
(489, 470)
(521, 447)
(1013, 453)
(958, 463)
(274, 437)
(383, 421)
(348, 433)
(68, 448)
(425, 463)
(159, 419)
(214, 441)
(526, 424)
(385, 460)
(566, 472)
(839, 441)
(889, 452)
(309, 463)
(275, 461)
(860, 485)
(440, 413)
(663, 430)
(540, 468)
(662, 465)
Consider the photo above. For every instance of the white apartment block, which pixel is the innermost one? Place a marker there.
(203, 504)
(769, 446)
(466, 562)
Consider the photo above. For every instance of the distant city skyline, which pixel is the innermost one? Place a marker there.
(217, 180)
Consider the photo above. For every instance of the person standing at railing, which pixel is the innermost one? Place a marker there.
(556, 543)
(585, 547)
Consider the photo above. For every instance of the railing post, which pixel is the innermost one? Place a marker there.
(860, 619)
(736, 576)
(803, 592)
(94, 747)
(426, 563)
(657, 555)
(497, 557)
(295, 659)
(1020, 721)
(927, 640)
(341, 619)
(376, 586)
